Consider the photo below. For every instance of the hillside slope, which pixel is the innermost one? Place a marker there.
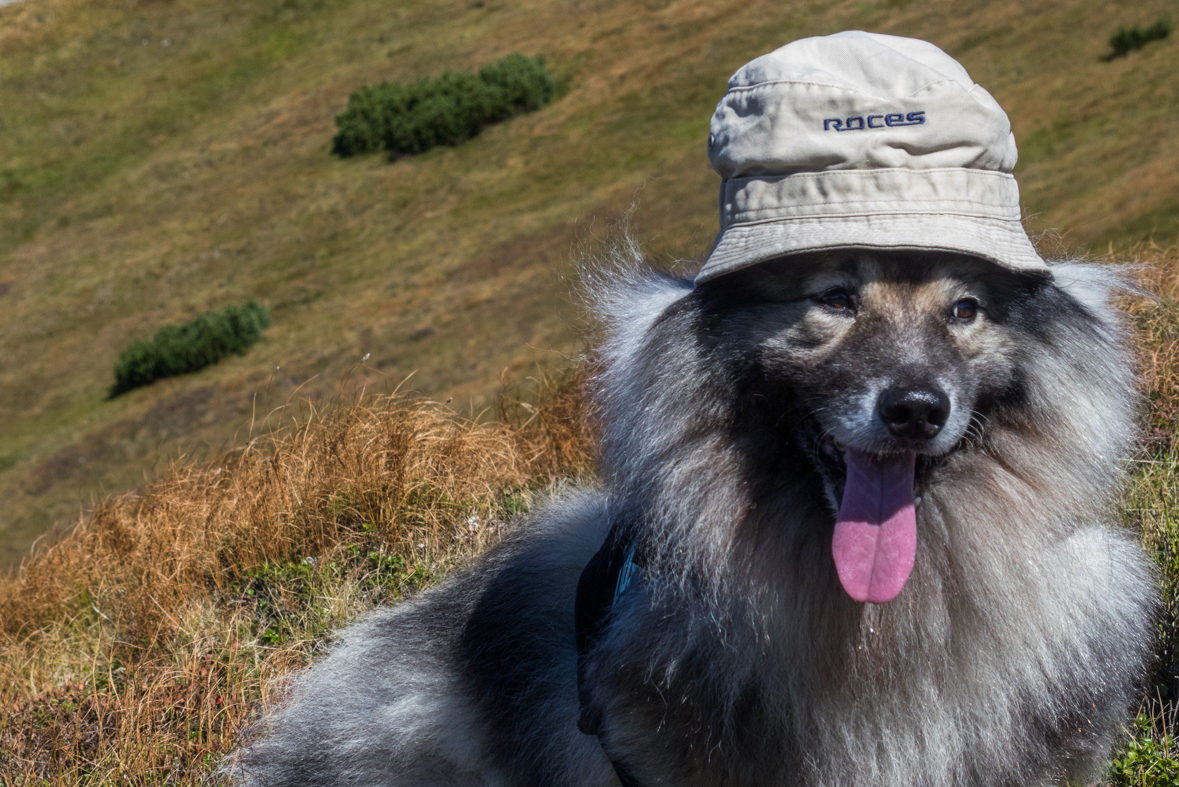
(159, 158)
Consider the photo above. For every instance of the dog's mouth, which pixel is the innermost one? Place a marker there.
(875, 539)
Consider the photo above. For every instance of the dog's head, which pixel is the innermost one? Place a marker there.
(872, 370)
(888, 361)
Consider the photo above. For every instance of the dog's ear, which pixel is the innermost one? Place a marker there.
(1097, 286)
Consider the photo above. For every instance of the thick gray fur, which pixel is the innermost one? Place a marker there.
(1011, 657)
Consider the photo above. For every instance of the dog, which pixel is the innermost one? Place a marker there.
(869, 498)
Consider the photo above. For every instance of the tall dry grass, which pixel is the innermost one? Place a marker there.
(133, 650)
(1150, 756)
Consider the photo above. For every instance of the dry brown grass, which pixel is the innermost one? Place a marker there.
(1151, 757)
(1158, 322)
(133, 650)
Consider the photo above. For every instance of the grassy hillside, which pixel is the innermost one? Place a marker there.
(161, 158)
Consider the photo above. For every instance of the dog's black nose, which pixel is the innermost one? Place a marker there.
(917, 412)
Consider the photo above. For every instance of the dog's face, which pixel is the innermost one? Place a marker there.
(883, 353)
(879, 364)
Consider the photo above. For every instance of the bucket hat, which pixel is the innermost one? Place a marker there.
(862, 140)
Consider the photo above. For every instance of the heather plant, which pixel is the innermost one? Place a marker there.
(190, 346)
(1127, 39)
(1149, 759)
(447, 110)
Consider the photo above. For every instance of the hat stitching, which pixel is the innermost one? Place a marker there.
(908, 201)
(1005, 249)
(747, 218)
(965, 89)
(843, 88)
(731, 185)
(732, 237)
(874, 173)
(733, 264)
(762, 85)
(1011, 252)
(827, 218)
(728, 266)
(986, 221)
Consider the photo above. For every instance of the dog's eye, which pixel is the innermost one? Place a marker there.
(838, 300)
(966, 309)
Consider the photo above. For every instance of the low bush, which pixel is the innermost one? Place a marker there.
(190, 346)
(1126, 39)
(448, 110)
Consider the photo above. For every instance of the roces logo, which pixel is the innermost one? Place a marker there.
(862, 122)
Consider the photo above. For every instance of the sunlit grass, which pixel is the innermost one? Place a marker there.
(135, 649)
(145, 183)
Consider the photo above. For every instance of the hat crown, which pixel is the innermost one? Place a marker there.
(881, 65)
(857, 100)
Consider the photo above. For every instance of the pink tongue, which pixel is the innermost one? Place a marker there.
(875, 537)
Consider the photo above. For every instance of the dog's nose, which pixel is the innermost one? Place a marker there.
(917, 412)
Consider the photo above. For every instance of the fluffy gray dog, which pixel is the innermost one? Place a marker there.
(735, 415)
(857, 485)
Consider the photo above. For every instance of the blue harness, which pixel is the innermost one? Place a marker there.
(603, 582)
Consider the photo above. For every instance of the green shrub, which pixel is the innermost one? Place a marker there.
(190, 346)
(444, 111)
(1126, 39)
(1148, 759)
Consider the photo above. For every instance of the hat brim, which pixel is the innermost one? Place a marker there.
(1002, 241)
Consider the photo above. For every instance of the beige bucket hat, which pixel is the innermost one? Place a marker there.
(861, 140)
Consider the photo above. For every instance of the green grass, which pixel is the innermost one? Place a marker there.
(143, 184)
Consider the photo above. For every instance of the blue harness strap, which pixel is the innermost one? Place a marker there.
(602, 583)
(625, 574)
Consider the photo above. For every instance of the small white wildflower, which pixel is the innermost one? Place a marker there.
(309, 560)
(421, 546)
(473, 523)
(366, 357)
